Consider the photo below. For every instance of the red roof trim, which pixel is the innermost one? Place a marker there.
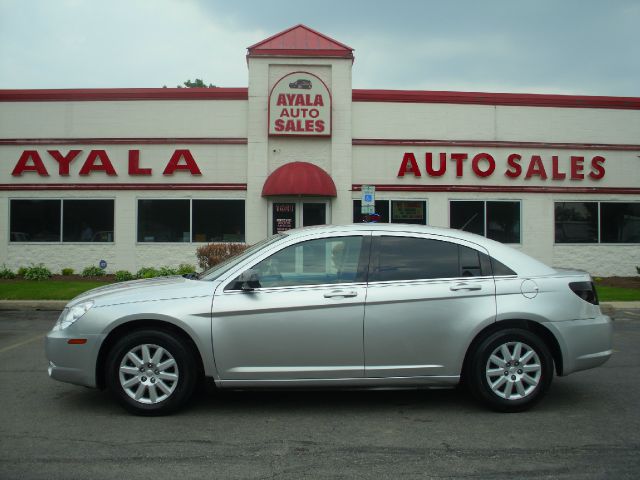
(123, 141)
(501, 189)
(299, 178)
(119, 94)
(480, 98)
(122, 186)
(378, 142)
(300, 40)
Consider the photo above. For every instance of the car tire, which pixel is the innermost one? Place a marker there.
(151, 372)
(510, 370)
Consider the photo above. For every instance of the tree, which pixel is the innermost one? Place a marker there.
(197, 83)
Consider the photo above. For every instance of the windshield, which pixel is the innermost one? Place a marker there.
(217, 270)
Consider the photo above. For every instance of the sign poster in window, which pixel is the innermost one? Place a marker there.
(284, 217)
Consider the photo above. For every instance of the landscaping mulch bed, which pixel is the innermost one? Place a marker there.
(619, 282)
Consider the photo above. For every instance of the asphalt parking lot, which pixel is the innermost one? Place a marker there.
(588, 427)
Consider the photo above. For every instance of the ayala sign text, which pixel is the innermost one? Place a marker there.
(300, 104)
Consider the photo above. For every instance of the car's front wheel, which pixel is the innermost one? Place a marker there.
(151, 372)
(510, 370)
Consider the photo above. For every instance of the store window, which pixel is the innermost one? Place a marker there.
(184, 220)
(497, 220)
(76, 220)
(597, 222)
(87, 220)
(218, 221)
(35, 221)
(395, 211)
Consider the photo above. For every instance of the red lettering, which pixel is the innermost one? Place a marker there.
(291, 97)
(90, 164)
(282, 100)
(318, 102)
(429, 165)
(22, 166)
(597, 168)
(536, 167)
(409, 165)
(577, 165)
(513, 161)
(300, 100)
(314, 113)
(64, 160)
(285, 112)
(308, 125)
(189, 165)
(134, 164)
(476, 167)
(279, 125)
(319, 125)
(557, 174)
(459, 158)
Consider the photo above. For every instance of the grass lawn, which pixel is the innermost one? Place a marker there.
(617, 294)
(46, 289)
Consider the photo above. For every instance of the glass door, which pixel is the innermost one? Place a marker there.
(287, 214)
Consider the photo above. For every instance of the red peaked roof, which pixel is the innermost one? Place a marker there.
(299, 178)
(300, 41)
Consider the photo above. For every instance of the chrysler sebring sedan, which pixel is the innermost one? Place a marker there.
(356, 306)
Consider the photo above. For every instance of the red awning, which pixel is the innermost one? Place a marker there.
(299, 178)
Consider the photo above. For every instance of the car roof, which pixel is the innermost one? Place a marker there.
(516, 260)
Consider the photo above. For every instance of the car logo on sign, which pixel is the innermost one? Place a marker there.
(301, 83)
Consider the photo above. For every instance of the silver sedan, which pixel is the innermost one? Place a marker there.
(356, 306)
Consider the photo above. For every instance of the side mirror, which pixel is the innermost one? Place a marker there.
(247, 281)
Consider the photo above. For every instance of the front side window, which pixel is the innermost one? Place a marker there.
(314, 262)
(497, 220)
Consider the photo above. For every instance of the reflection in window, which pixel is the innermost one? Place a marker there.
(576, 222)
(35, 221)
(395, 211)
(381, 207)
(497, 220)
(620, 222)
(87, 220)
(315, 262)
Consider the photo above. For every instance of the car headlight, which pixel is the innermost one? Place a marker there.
(70, 315)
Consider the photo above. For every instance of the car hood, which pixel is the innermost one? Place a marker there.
(147, 290)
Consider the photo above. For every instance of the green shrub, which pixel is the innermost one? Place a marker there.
(67, 271)
(147, 272)
(37, 272)
(6, 273)
(22, 271)
(92, 271)
(185, 268)
(213, 253)
(167, 271)
(123, 276)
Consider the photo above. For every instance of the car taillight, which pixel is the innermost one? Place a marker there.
(586, 291)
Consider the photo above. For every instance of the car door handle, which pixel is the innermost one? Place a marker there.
(464, 286)
(341, 293)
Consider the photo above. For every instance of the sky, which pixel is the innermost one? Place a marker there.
(580, 47)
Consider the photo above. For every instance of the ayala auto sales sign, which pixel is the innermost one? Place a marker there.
(300, 104)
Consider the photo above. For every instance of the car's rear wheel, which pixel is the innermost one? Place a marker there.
(510, 370)
(151, 372)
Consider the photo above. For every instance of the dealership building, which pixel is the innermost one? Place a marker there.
(142, 177)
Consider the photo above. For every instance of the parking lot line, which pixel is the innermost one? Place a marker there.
(19, 344)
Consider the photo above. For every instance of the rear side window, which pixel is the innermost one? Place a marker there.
(407, 258)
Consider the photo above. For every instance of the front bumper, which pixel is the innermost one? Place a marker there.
(72, 363)
(584, 343)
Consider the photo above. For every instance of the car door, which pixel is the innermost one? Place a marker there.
(427, 296)
(302, 318)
